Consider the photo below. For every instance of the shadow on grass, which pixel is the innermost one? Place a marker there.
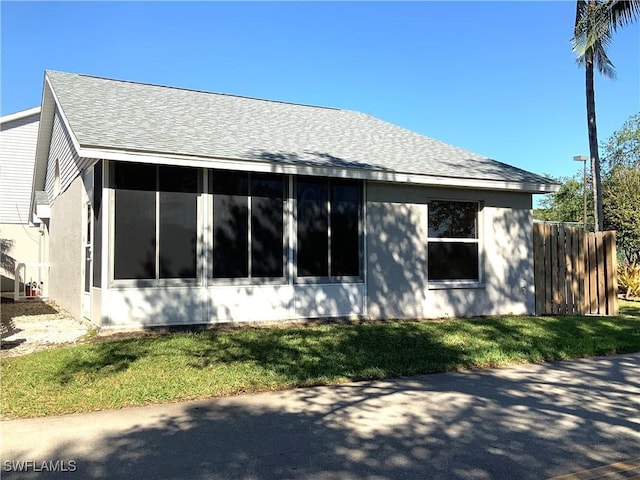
(101, 359)
(315, 355)
(627, 307)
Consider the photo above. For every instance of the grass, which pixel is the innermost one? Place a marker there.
(109, 374)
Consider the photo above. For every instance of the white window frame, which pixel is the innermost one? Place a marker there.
(461, 283)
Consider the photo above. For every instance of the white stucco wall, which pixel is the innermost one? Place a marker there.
(397, 281)
(66, 250)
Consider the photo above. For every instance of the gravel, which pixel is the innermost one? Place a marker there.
(36, 325)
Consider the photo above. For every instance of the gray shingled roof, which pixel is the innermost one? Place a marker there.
(121, 115)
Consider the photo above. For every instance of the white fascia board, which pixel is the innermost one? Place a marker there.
(43, 142)
(264, 166)
(18, 115)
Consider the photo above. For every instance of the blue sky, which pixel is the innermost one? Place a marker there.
(496, 78)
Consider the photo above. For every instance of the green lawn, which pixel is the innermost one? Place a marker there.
(137, 371)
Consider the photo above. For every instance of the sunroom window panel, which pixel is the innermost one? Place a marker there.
(178, 222)
(230, 224)
(345, 235)
(313, 227)
(267, 226)
(135, 221)
(97, 224)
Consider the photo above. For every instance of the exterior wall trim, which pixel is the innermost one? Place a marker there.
(270, 167)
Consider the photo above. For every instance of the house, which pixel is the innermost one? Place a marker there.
(23, 237)
(172, 206)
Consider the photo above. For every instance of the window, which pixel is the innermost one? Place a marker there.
(328, 227)
(97, 224)
(135, 221)
(453, 249)
(248, 224)
(155, 221)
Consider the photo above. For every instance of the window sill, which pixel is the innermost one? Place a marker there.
(455, 284)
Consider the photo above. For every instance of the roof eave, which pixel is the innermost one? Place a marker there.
(20, 115)
(379, 175)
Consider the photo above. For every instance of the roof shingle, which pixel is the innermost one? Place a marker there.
(121, 115)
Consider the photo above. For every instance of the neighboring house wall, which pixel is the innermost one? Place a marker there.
(397, 280)
(17, 156)
(65, 246)
(21, 243)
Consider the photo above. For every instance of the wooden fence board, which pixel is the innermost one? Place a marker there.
(548, 295)
(538, 262)
(580, 272)
(574, 271)
(592, 272)
(612, 274)
(562, 270)
(555, 274)
(600, 275)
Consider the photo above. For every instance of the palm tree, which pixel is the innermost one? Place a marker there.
(596, 21)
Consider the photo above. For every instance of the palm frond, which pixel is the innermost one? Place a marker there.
(623, 12)
(597, 19)
(602, 61)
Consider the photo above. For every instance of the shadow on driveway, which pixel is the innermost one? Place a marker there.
(529, 422)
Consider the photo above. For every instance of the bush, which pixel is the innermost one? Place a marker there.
(629, 278)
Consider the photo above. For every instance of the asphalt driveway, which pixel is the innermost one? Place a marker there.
(527, 422)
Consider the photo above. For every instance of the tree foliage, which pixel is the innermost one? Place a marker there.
(623, 147)
(621, 190)
(567, 204)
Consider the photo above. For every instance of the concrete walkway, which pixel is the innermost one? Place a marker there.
(528, 422)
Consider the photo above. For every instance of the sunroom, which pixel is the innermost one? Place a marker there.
(250, 245)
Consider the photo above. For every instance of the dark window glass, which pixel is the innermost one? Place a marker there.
(453, 261)
(345, 235)
(87, 269)
(230, 224)
(452, 219)
(87, 251)
(267, 225)
(97, 224)
(313, 227)
(135, 221)
(178, 222)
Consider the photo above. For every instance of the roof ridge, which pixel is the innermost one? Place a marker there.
(134, 82)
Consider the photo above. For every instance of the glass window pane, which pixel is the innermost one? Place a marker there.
(135, 233)
(134, 176)
(452, 219)
(267, 225)
(178, 222)
(230, 224)
(97, 224)
(453, 261)
(345, 235)
(313, 227)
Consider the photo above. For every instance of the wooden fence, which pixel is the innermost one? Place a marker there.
(575, 271)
